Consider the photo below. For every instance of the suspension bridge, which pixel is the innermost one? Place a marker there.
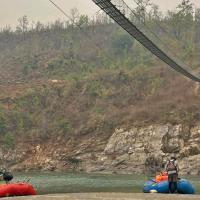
(120, 12)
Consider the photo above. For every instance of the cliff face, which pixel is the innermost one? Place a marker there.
(137, 150)
(146, 149)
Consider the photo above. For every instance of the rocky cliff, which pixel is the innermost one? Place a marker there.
(135, 150)
(146, 149)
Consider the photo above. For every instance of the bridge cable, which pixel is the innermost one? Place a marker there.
(119, 17)
(164, 30)
(162, 43)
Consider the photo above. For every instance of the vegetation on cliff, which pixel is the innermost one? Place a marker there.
(61, 79)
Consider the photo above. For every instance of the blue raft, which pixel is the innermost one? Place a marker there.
(183, 187)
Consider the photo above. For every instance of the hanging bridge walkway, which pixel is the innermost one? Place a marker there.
(119, 11)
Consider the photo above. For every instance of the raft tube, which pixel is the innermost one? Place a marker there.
(183, 187)
(16, 189)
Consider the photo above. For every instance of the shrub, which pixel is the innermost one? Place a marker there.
(9, 141)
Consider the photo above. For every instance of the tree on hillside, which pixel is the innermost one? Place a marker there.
(185, 8)
(181, 20)
(122, 43)
(141, 9)
(83, 21)
(23, 25)
(39, 27)
(197, 25)
(74, 16)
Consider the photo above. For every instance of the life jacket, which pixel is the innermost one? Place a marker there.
(161, 177)
(171, 167)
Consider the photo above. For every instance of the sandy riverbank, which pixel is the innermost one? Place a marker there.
(109, 196)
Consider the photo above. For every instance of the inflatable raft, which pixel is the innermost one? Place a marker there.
(183, 187)
(16, 189)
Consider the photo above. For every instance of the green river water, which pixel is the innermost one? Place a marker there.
(49, 183)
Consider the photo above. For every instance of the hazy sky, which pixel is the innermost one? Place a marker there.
(42, 10)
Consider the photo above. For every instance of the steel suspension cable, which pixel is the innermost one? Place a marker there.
(119, 15)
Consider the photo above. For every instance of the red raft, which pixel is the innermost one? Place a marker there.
(16, 189)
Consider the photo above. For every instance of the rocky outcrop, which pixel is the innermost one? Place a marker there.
(142, 150)
(136, 150)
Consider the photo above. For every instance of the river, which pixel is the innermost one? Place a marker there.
(57, 182)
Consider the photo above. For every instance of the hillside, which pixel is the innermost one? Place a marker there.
(69, 88)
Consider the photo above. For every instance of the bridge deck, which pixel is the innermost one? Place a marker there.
(119, 16)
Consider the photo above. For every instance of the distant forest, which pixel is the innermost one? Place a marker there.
(104, 77)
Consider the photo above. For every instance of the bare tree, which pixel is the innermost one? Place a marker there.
(74, 16)
(23, 25)
(141, 9)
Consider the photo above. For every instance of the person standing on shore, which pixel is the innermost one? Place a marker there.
(172, 169)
